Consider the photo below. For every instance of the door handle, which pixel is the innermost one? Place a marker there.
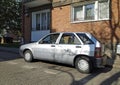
(78, 46)
(52, 45)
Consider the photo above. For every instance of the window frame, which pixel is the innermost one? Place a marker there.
(34, 20)
(96, 11)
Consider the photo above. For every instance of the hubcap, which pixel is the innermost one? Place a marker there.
(27, 56)
(83, 64)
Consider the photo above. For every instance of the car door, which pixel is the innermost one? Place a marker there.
(45, 49)
(68, 47)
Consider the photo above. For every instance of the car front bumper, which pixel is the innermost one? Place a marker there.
(21, 52)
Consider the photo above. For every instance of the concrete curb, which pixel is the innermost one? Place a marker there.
(7, 49)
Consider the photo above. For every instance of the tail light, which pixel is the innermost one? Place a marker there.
(98, 52)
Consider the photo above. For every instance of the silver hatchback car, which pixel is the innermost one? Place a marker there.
(79, 49)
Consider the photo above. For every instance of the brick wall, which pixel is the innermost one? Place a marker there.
(61, 22)
(115, 13)
(27, 28)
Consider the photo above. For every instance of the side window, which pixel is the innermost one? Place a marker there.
(69, 38)
(85, 38)
(50, 39)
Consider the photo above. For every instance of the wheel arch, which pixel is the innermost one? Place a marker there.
(82, 56)
(26, 50)
(28, 58)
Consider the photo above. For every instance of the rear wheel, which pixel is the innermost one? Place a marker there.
(83, 65)
(28, 57)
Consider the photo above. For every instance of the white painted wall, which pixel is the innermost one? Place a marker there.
(36, 35)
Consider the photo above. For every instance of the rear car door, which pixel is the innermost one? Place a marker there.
(69, 45)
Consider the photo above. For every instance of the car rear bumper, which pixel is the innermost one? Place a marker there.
(100, 62)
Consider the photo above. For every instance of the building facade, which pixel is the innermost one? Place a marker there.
(99, 17)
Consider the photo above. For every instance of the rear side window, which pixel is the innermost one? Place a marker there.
(85, 39)
(69, 38)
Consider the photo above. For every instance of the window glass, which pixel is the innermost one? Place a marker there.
(78, 13)
(103, 9)
(50, 39)
(69, 38)
(85, 39)
(89, 12)
(48, 20)
(37, 21)
(44, 20)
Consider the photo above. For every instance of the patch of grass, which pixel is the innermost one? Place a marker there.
(12, 45)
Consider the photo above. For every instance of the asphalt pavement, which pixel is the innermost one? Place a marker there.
(8, 49)
(44, 73)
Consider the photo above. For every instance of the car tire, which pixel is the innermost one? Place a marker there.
(83, 65)
(28, 57)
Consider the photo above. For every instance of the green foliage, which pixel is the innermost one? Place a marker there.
(10, 15)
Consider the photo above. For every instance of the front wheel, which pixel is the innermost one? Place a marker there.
(83, 65)
(28, 57)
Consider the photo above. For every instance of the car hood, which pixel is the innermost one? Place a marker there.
(27, 45)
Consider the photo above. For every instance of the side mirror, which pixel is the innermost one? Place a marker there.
(41, 42)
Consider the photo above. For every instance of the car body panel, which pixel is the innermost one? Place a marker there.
(66, 53)
(62, 53)
(44, 52)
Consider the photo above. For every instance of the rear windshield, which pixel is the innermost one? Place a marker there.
(85, 39)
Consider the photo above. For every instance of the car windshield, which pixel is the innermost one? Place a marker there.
(85, 39)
